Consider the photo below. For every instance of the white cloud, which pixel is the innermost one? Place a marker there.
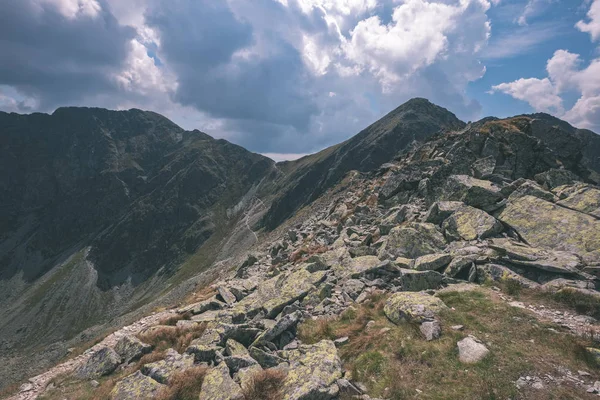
(520, 41)
(532, 9)
(593, 26)
(539, 93)
(564, 75)
(74, 8)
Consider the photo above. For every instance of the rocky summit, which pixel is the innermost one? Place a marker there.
(422, 258)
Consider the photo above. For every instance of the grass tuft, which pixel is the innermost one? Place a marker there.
(265, 385)
(185, 385)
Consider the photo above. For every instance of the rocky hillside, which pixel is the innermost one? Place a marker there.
(376, 282)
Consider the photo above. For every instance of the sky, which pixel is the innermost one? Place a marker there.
(290, 77)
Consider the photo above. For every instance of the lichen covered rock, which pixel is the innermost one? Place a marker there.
(586, 200)
(414, 240)
(218, 385)
(471, 350)
(101, 363)
(473, 192)
(136, 386)
(544, 224)
(313, 372)
(130, 348)
(416, 281)
(409, 306)
(469, 223)
(432, 262)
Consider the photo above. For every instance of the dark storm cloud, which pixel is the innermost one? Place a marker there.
(199, 40)
(56, 59)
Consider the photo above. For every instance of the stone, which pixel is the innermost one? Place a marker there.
(432, 262)
(313, 372)
(412, 306)
(457, 327)
(524, 187)
(245, 376)
(405, 263)
(341, 341)
(272, 295)
(228, 297)
(130, 348)
(556, 177)
(101, 363)
(496, 272)
(471, 350)
(547, 225)
(347, 388)
(473, 192)
(469, 223)
(431, 330)
(161, 371)
(265, 359)
(416, 281)
(353, 287)
(585, 200)
(234, 348)
(484, 167)
(283, 324)
(414, 240)
(136, 386)
(460, 264)
(441, 210)
(206, 305)
(218, 385)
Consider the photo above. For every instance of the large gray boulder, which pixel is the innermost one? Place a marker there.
(313, 372)
(102, 362)
(136, 386)
(471, 350)
(414, 240)
(218, 385)
(469, 223)
(412, 306)
(130, 348)
(473, 192)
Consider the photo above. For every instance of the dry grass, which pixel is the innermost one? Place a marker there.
(185, 385)
(397, 364)
(265, 385)
(172, 320)
(165, 337)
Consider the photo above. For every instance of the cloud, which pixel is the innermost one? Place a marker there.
(593, 26)
(539, 93)
(520, 41)
(259, 73)
(565, 74)
(532, 9)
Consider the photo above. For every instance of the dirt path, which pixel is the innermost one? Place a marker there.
(36, 385)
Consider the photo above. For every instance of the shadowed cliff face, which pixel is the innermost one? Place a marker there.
(132, 185)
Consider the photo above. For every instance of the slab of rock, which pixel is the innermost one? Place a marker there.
(469, 223)
(313, 372)
(441, 210)
(547, 225)
(273, 295)
(218, 385)
(432, 262)
(471, 350)
(264, 358)
(102, 362)
(431, 330)
(460, 264)
(283, 324)
(245, 376)
(473, 192)
(414, 240)
(130, 348)
(585, 200)
(416, 281)
(161, 371)
(136, 386)
(226, 295)
(408, 306)
(353, 287)
(525, 187)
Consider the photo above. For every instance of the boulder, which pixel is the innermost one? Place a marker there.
(102, 362)
(353, 287)
(412, 306)
(226, 295)
(285, 323)
(458, 266)
(264, 358)
(495, 272)
(245, 376)
(471, 350)
(441, 210)
(414, 240)
(313, 372)
(484, 167)
(432, 262)
(556, 177)
(524, 187)
(585, 200)
(469, 223)
(547, 225)
(218, 385)
(273, 295)
(416, 281)
(136, 386)
(473, 192)
(130, 348)
(161, 371)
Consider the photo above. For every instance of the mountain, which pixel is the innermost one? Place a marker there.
(304, 180)
(110, 215)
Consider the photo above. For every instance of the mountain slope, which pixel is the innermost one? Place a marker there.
(307, 178)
